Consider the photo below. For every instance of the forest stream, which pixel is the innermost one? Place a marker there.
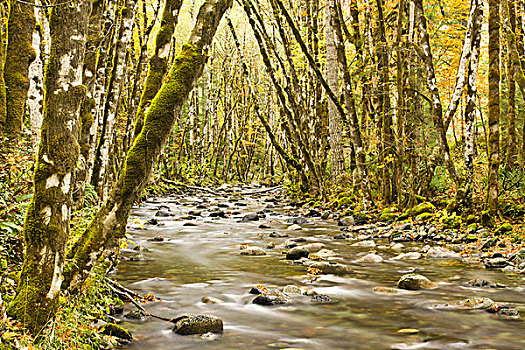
(192, 252)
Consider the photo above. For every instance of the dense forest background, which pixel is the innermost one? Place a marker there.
(354, 105)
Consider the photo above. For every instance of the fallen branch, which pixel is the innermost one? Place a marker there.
(204, 189)
(122, 291)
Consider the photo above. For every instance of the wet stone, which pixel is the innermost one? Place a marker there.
(253, 251)
(273, 298)
(151, 221)
(496, 263)
(278, 235)
(258, 289)
(163, 214)
(415, 282)
(321, 299)
(250, 217)
(115, 330)
(136, 315)
(197, 324)
(217, 214)
(484, 283)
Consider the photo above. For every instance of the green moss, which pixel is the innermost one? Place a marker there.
(424, 217)
(471, 219)
(345, 202)
(504, 228)
(422, 208)
(115, 331)
(472, 227)
(451, 222)
(388, 217)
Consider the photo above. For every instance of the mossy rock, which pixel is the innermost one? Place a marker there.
(486, 219)
(115, 331)
(451, 222)
(505, 228)
(469, 238)
(345, 202)
(471, 219)
(198, 324)
(424, 217)
(403, 216)
(473, 227)
(422, 208)
(388, 217)
(343, 195)
(361, 217)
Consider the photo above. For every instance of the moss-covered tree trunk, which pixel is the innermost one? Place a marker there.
(109, 225)
(113, 97)
(494, 107)
(46, 227)
(3, 38)
(509, 20)
(158, 64)
(19, 55)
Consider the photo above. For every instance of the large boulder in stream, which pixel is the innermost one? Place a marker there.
(253, 251)
(198, 324)
(415, 282)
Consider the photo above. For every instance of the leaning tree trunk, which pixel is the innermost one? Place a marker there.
(494, 107)
(19, 56)
(158, 65)
(46, 227)
(109, 225)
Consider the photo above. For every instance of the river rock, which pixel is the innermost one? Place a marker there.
(397, 246)
(297, 253)
(343, 235)
(278, 235)
(258, 289)
(211, 300)
(253, 251)
(163, 214)
(367, 244)
(197, 324)
(291, 289)
(439, 253)
(346, 221)
(474, 303)
(408, 256)
(294, 227)
(151, 221)
(322, 254)
(370, 258)
(329, 267)
(496, 263)
(504, 311)
(484, 283)
(217, 214)
(321, 299)
(250, 217)
(415, 282)
(298, 221)
(389, 290)
(274, 298)
(136, 315)
(156, 239)
(115, 330)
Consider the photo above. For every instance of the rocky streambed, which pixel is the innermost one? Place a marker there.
(274, 277)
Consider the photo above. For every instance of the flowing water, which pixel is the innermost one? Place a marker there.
(204, 260)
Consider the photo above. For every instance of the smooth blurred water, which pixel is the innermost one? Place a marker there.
(205, 260)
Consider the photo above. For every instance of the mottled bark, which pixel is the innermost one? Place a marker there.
(494, 107)
(19, 55)
(102, 163)
(355, 130)
(437, 109)
(335, 124)
(509, 20)
(46, 227)
(470, 109)
(109, 225)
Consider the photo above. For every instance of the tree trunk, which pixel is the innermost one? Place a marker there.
(46, 227)
(494, 107)
(19, 56)
(335, 124)
(470, 109)
(509, 19)
(109, 225)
